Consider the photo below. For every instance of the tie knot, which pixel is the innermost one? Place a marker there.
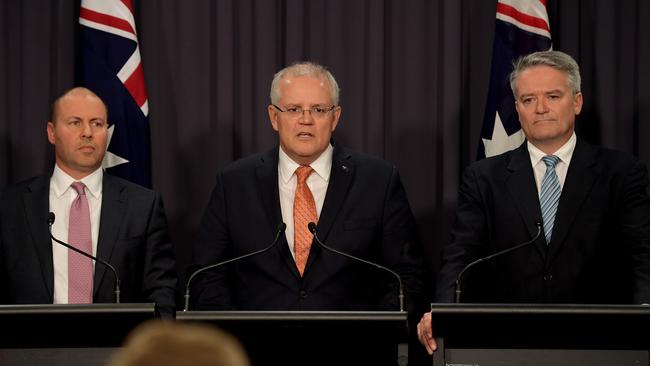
(302, 173)
(79, 187)
(550, 161)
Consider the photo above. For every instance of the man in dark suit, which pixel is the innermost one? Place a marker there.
(120, 222)
(357, 201)
(592, 203)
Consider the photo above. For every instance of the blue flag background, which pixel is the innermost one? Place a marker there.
(512, 39)
(103, 54)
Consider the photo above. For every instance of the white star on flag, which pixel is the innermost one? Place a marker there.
(501, 141)
(110, 159)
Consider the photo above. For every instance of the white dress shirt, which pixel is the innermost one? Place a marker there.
(539, 167)
(317, 182)
(61, 198)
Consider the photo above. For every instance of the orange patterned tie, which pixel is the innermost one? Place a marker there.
(304, 212)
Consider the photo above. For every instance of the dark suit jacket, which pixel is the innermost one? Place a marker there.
(132, 237)
(599, 250)
(365, 213)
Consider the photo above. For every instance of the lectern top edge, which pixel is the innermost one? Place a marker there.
(439, 308)
(78, 308)
(294, 315)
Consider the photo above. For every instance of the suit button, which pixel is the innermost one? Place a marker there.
(548, 277)
(303, 294)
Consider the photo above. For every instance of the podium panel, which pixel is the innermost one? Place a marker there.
(66, 334)
(312, 337)
(531, 334)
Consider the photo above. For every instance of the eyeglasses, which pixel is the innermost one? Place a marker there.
(316, 112)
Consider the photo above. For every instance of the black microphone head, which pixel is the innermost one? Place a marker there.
(50, 218)
(312, 227)
(281, 228)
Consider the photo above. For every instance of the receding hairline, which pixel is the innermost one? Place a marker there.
(76, 91)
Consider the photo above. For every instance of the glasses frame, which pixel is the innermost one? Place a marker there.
(311, 110)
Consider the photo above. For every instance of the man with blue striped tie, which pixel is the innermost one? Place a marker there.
(592, 203)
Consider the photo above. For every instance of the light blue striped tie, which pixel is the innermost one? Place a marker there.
(550, 196)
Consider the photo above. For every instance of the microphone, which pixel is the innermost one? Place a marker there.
(459, 279)
(312, 228)
(278, 232)
(50, 222)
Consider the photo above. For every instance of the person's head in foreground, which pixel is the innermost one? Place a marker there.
(163, 343)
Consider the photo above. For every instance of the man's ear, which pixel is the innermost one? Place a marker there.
(51, 135)
(577, 103)
(273, 116)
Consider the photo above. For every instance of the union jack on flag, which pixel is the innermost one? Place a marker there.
(521, 28)
(110, 66)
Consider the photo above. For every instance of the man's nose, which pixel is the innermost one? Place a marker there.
(307, 116)
(541, 106)
(87, 130)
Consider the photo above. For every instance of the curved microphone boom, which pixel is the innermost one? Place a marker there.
(459, 278)
(312, 228)
(279, 231)
(50, 222)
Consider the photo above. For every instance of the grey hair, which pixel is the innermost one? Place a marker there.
(304, 69)
(555, 59)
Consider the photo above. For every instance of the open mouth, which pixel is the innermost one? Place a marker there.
(304, 135)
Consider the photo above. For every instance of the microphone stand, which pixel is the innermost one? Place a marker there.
(116, 290)
(281, 227)
(312, 228)
(459, 278)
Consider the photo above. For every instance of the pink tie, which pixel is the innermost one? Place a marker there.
(304, 212)
(80, 268)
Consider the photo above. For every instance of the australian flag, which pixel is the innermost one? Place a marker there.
(521, 28)
(110, 66)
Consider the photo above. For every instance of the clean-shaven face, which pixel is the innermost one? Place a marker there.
(79, 133)
(547, 107)
(304, 137)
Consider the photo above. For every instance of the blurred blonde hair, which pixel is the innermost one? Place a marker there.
(163, 343)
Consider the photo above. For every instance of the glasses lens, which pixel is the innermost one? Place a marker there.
(315, 112)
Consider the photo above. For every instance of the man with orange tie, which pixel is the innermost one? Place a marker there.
(357, 201)
(107, 217)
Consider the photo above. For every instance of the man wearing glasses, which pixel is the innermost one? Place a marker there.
(357, 202)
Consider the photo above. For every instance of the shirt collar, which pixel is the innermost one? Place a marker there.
(564, 153)
(61, 181)
(322, 165)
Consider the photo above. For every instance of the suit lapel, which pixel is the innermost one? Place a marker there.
(341, 177)
(36, 200)
(114, 204)
(523, 189)
(266, 175)
(579, 180)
